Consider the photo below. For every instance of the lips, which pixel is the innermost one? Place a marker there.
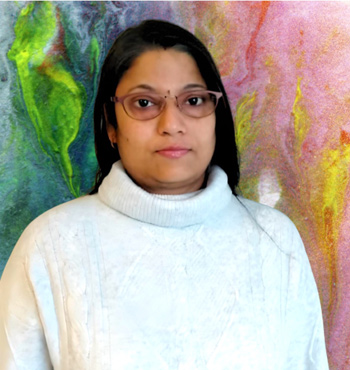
(173, 152)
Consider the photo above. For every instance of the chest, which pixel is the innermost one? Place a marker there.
(164, 300)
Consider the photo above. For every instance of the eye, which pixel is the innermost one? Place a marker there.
(194, 100)
(143, 103)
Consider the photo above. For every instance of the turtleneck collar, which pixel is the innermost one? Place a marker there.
(119, 192)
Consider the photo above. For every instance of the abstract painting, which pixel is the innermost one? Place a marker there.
(286, 69)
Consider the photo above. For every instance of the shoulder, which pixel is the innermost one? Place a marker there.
(274, 224)
(69, 212)
(265, 214)
(64, 232)
(59, 222)
(86, 203)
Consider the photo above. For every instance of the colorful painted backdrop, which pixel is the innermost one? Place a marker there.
(286, 68)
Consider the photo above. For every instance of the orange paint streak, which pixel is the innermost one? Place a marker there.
(330, 242)
(251, 50)
(344, 137)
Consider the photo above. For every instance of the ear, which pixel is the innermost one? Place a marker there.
(111, 130)
(112, 133)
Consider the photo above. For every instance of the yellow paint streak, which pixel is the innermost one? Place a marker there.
(243, 121)
(335, 166)
(328, 203)
(269, 61)
(301, 120)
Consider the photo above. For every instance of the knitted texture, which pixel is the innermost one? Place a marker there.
(128, 280)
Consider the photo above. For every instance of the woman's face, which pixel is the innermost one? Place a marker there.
(170, 153)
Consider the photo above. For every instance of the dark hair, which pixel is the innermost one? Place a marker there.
(155, 34)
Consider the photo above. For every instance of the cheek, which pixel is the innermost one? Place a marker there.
(212, 134)
(122, 138)
(204, 133)
(124, 130)
(132, 136)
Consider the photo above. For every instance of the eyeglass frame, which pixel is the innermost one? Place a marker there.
(120, 99)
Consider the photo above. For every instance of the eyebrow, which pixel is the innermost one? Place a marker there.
(152, 89)
(142, 86)
(194, 86)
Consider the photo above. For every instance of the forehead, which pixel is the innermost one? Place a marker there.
(163, 70)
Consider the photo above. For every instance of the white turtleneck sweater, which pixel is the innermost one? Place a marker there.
(129, 280)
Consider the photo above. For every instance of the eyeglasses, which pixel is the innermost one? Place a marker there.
(147, 105)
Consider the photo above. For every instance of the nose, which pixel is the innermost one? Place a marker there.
(171, 121)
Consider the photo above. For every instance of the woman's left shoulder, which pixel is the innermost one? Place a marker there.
(275, 224)
(264, 214)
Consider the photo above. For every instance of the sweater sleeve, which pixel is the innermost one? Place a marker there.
(303, 334)
(22, 338)
(306, 346)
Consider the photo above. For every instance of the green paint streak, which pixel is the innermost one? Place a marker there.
(94, 54)
(54, 100)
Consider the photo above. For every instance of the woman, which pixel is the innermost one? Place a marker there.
(163, 266)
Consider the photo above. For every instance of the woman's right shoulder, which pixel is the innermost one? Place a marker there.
(60, 221)
(68, 212)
